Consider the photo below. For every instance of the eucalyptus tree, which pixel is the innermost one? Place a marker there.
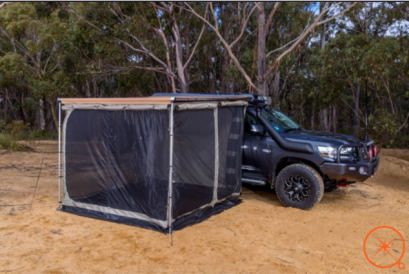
(32, 50)
(245, 12)
(365, 49)
(150, 34)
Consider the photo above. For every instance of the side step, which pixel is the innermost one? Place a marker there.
(253, 182)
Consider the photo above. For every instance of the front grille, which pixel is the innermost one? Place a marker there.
(357, 155)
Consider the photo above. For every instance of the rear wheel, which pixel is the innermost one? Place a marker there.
(299, 186)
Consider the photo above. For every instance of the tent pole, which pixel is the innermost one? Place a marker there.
(59, 154)
(170, 191)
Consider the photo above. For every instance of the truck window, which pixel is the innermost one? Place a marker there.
(250, 120)
(279, 120)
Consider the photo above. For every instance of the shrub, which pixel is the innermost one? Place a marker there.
(5, 140)
(3, 125)
(41, 135)
(18, 130)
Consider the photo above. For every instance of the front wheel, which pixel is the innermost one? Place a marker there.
(299, 186)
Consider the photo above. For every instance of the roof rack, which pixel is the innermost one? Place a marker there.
(258, 101)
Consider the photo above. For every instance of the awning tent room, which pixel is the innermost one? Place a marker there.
(161, 163)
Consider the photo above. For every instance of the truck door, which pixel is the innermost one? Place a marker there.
(256, 151)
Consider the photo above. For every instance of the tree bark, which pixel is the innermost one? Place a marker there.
(225, 56)
(325, 112)
(179, 57)
(312, 116)
(187, 48)
(357, 121)
(324, 119)
(261, 50)
(334, 119)
(87, 91)
(11, 106)
(323, 37)
(276, 90)
(95, 87)
(54, 115)
(22, 111)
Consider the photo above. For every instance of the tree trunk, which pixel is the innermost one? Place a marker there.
(103, 86)
(179, 57)
(187, 49)
(226, 58)
(5, 103)
(11, 106)
(213, 84)
(261, 50)
(22, 111)
(41, 114)
(312, 116)
(54, 115)
(329, 119)
(334, 119)
(87, 91)
(323, 37)
(95, 87)
(357, 121)
(276, 90)
(323, 114)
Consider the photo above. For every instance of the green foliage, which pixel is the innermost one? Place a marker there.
(3, 125)
(5, 140)
(49, 53)
(18, 130)
(41, 135)
(384, 126)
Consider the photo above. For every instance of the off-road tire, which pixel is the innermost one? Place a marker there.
(313, 178)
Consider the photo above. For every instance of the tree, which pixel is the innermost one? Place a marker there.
(35, 38)
(247, 11)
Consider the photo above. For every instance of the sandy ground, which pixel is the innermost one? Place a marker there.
(259, 235)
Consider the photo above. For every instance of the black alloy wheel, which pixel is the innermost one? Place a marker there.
(299, 186)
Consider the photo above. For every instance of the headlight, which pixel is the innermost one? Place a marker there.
(328, 152)
(347, 150)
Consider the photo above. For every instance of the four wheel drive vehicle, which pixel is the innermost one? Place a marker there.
(300, 164)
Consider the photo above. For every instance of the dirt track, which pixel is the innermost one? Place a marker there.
(259, 235)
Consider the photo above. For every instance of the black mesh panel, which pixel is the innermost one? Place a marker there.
(194, 153)
(119, 159)
(230, 127)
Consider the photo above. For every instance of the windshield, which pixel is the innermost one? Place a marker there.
(279, 120)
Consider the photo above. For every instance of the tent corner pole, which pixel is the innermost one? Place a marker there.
(59, 154)
(170, 190)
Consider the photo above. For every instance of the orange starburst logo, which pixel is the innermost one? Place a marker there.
(385, 254)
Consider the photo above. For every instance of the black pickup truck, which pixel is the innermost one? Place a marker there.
(300, 164)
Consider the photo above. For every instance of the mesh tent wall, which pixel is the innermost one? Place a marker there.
(161, 163)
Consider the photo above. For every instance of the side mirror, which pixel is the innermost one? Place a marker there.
(257, 129)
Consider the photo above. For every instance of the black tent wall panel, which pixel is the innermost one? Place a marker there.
(116, 164)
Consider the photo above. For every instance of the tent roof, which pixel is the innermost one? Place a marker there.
(157, 99)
